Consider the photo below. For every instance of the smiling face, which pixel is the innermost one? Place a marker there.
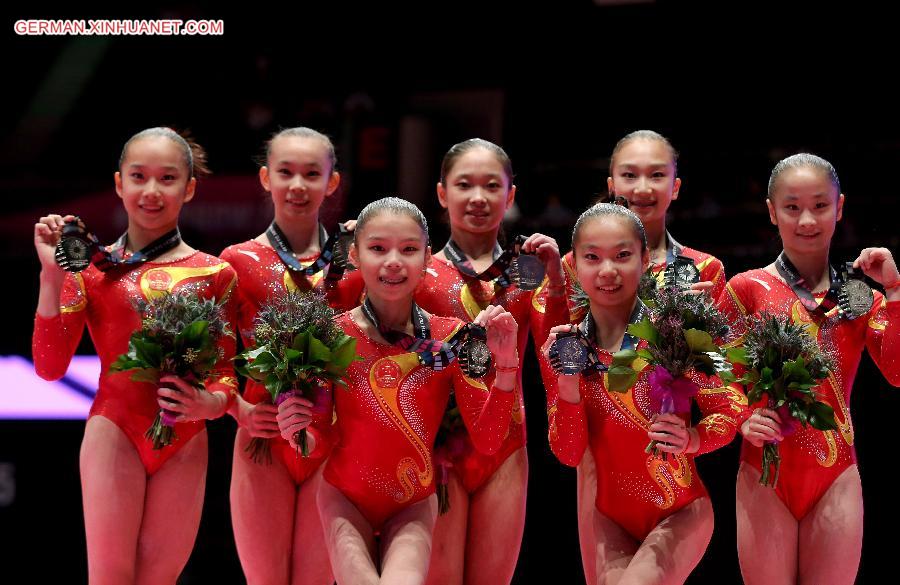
(643, 172)
(806, 206)
(154, 182)
(299, 176)
(609, 260)
(476, 192)
(391, 252)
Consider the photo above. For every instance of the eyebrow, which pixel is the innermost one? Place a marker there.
(292, 163)
(660, 165)
(140, 166)
(469, 175)
(379, 237)
(795, 197)
(622, 244)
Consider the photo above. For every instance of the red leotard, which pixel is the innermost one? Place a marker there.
(262, 274)
(105, 301)
(445, 291)
(389, 416)
(635, 490)
(810, 459)
(710, 267)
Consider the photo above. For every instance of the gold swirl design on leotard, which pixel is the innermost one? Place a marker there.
(536, 303)
(472, 302)
(552, 431)
(718, 423)
(386, 388)
(290, 285)
(656, 467)
(625, 401)
(80, 300)
(159, 281)
(844, 422)
(660, 471)
(738, 399)
(831, 458)
(799, 315)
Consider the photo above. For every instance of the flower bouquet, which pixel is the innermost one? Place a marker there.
(179, 336)
(681, 332)
(784, 364)
(298, 351)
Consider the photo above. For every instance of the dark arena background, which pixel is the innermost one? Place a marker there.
(394, 85)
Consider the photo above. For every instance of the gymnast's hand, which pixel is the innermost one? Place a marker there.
(763, 426)
(259, 419)
(547, 250)
(294, 415)
(672, 435)
(568, 386)
(189, 402)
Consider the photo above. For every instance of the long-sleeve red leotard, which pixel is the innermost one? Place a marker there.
(261, 276)
(634, 489)
(389, 416)
(445, 291)
(810, 459)
(105, 301)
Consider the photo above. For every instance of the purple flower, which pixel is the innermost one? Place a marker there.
(789, 424)
(669, 395)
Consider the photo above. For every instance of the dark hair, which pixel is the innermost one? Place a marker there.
(393, 205)
(194, 154)
(603, 209)
(644, 135)
(301, 132)
(461, 148)
(803, 159)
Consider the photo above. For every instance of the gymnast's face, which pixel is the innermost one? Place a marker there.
(154, 182)
(643, 172)
(299, 176)
(391, 252)
(806, 206)
(609, 261)
(476, 192)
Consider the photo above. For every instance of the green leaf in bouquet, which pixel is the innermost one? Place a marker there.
(645, 330)
(754, 395)
(148, 353)
(621, 378)
(798, 411)
(241, 366)
(699, 341)
(193, 335)
(145, 375)
(264, 362)
(273, 385)
(256, 352)
(343, 355)
(771, 357)
(301, 342)
(645, 354)
(765, 378)
(318, 351)
(624, 357)
(123, 363)
(737, 355)
(291, 354)
(728, 377)
(821, 417)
